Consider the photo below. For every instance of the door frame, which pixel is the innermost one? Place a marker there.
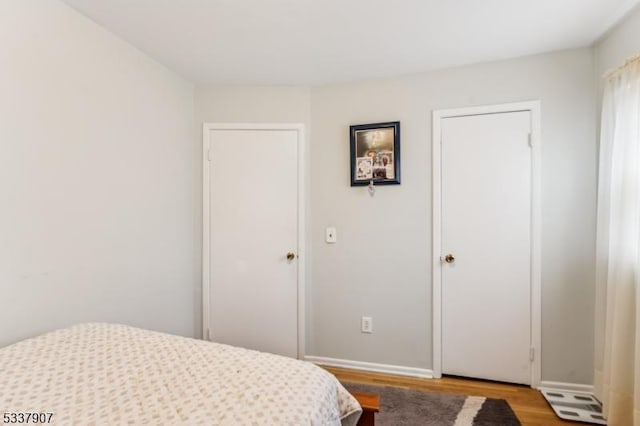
(299, 128)
(436, 266)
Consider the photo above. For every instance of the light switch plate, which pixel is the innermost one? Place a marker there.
(366, 325)
(330, 235)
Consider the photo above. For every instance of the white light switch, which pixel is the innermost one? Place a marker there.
(366, 325)
(330, 235)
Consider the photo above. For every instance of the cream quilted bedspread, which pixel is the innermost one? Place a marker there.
(107, 374)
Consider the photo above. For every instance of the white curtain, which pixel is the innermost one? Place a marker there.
(617, 358)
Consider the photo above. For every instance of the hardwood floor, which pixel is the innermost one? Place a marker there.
(527, 403)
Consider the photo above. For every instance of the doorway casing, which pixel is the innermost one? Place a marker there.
(436, 266)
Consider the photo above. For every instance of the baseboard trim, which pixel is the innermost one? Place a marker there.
(571, 387)
(371, 366)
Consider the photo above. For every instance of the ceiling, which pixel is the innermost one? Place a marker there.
(309, 42)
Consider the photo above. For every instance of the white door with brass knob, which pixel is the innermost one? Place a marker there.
(252, 266)
(486, 260)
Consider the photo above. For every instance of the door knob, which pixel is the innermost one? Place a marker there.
(449, 258)
(291, 256)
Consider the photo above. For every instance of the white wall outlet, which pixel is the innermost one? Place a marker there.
(330, 235)
(366, 325)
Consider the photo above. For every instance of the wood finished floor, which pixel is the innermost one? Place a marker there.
(527, 403)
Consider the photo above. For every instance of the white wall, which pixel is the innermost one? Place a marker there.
(253, 104)
(97, 179)
(621, 43)
(381, 264)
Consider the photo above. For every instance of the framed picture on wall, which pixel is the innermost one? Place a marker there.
(375, 153)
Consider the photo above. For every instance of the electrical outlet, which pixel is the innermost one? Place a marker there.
(366, 326)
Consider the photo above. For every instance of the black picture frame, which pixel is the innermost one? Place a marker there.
(375, 153)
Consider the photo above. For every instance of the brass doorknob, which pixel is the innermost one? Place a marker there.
(290, 256)
(449, 258)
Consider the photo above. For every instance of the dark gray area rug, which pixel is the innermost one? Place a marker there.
(400, 406)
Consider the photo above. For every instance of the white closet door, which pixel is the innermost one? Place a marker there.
(253, 226)
(486, 228)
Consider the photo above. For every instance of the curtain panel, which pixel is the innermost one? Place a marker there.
(617, 338)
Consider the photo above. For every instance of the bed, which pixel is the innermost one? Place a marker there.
(116, 374)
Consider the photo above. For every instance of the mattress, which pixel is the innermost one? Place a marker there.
(116, 374)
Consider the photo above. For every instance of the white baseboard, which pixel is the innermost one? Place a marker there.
(570, 387)
(370, 366)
